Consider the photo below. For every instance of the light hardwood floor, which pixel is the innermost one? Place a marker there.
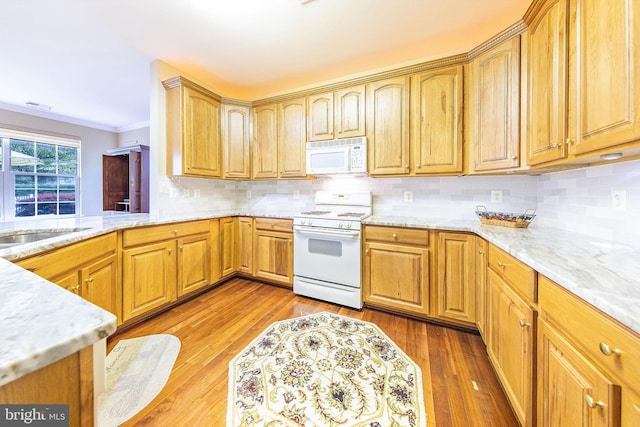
(217, 325)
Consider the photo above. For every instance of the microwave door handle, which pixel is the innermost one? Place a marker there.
(342, 234)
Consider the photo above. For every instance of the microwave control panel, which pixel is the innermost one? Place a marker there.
(358, 158)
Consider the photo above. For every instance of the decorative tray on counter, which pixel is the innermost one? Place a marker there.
(505, 219)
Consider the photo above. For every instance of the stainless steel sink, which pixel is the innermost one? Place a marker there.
(20, 238)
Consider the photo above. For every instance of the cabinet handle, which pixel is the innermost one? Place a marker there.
(592, 403)
(406, 166)
(89, 280)
(394, 235)
(75, 289)
(502, 264)
(523, 323)
(170, 251)
(569, 141)
(558, 145)
(608, 351)
(175, 232)
(417, 166)
(481, 252)
(366, 251)
(182, 248)
(514, 157)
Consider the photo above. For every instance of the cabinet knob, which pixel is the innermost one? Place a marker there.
(366, 251)
(406, 166)
(175, 232)
(608, 351)
(394, 235)
(170, 251)
(89, 280)
(481, 252)
(514, 157)
(182, 248)
(569, 141)
(417, 166)
(592, 403)
(524, 323)
(75, 289)
(502, 264)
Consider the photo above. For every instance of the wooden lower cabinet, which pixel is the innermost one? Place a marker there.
(273, 250)
(482, 263)
(228, 252)
(511, 345)
(571, 390)
(245, 245)
(456, 287)
(89, 268)
(396, 269)
(630, 408)
(161, 263)
(149, 277)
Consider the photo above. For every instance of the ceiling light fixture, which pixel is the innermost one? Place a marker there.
(611, 156)
(38, 106)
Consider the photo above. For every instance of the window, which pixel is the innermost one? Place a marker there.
(41, 174)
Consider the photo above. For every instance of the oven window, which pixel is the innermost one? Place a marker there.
(325, 247)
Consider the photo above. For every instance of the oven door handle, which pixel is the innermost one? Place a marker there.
(344, 234)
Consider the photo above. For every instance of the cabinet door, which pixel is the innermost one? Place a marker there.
(436, 114)
(456, 277)
(494, 114)
(245, 245)
(202, 142)
(388, 126)
(396, 277)
(606, 108)
(70, 281)
(228, 232)
(148, 278)
(236, 142)
(320, 116)
(482, 263)
(570, 388)
(100, 284)
(630, 408)
(292, 138)
(273, 256)
(547, 92)
(194, 255)
(511, 345)
(350, 112)
(264, 159)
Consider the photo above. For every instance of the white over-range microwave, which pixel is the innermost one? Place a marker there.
(339, 156)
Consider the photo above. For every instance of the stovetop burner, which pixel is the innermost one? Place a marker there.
(315, 213)
(352, 214)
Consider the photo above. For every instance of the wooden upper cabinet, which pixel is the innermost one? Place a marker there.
(339, 114)
(388, 126)
(193, 129)
(265, 141)
(493, 120)
(547, 88)
(236, 140)
(436, 117)
(292, 138)
(320, 116)
(605, 107)
(350, 112)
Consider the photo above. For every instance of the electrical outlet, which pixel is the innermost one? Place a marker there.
(619, 200)
(408, 196)
(296, 194)
(496, 196)
(248, 194)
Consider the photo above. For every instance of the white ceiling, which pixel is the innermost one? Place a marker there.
(90, 59)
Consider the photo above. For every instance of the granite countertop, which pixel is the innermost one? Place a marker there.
(603, 273)
(36, 328)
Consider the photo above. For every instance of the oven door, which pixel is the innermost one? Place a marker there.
(327, 254)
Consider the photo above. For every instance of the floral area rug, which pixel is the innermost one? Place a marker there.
(324, 370)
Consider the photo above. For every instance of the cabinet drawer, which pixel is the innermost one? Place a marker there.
(410, 236)
(590, 330)
(274, 224)
(51, 264)
(142, 235)
(519, 275)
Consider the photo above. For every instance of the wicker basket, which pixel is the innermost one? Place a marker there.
(505, 219)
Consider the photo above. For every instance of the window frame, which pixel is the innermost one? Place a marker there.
(8, 177)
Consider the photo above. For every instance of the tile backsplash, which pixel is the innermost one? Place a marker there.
(578, 200)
